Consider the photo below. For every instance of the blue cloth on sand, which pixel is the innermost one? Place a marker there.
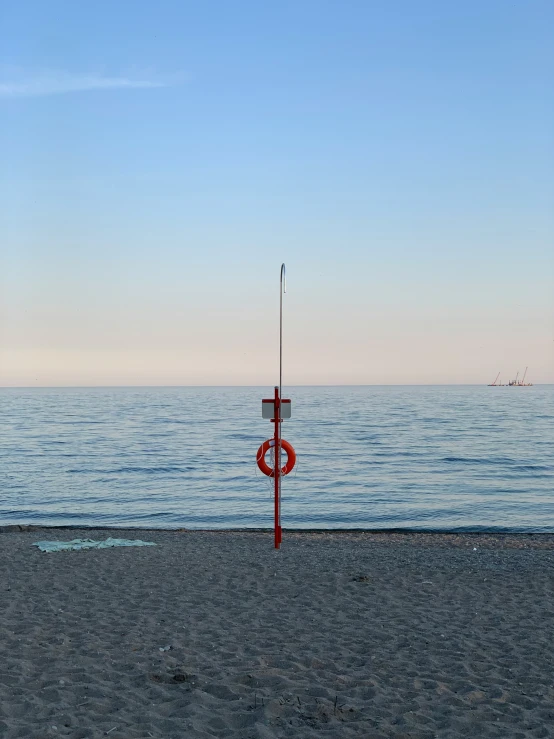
(60, 546)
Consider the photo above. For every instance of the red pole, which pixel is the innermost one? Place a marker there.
(277, 469)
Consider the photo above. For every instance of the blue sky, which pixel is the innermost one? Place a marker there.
(159, 162)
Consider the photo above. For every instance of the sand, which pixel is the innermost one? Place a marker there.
(335, 635)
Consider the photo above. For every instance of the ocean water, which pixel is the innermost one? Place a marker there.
(429, 458)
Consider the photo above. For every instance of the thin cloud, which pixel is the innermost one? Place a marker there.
(63, 83)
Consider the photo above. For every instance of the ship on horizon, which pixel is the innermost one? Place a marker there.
(512, 383)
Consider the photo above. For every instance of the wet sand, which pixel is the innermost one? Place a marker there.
(411, 636)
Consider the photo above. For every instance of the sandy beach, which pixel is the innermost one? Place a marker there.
(411, 636)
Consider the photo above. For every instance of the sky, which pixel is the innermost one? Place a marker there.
(159, 161)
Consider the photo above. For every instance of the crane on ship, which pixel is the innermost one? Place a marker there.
(493, 384)
(512, 383)
(520, 383)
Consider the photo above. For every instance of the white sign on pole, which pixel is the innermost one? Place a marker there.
(268, 408)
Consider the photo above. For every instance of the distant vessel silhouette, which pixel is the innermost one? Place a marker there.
(496, 383)
(512, 383)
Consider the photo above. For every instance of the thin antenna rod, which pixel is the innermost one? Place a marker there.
(283, 288)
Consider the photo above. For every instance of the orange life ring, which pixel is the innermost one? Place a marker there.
(265, 468)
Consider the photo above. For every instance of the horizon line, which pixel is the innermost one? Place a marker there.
(398, 384)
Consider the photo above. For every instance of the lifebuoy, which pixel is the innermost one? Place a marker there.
(262, 451)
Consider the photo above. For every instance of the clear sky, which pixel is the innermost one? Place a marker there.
(159, 160)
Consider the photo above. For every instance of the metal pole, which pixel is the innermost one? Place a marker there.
(277, 469)
(282, 289)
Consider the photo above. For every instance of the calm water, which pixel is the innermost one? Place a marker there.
(444, 457)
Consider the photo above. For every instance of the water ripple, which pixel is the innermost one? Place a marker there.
(441, 458)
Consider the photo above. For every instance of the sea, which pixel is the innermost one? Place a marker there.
(426, 458)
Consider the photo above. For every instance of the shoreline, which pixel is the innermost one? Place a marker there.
(541, 540)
